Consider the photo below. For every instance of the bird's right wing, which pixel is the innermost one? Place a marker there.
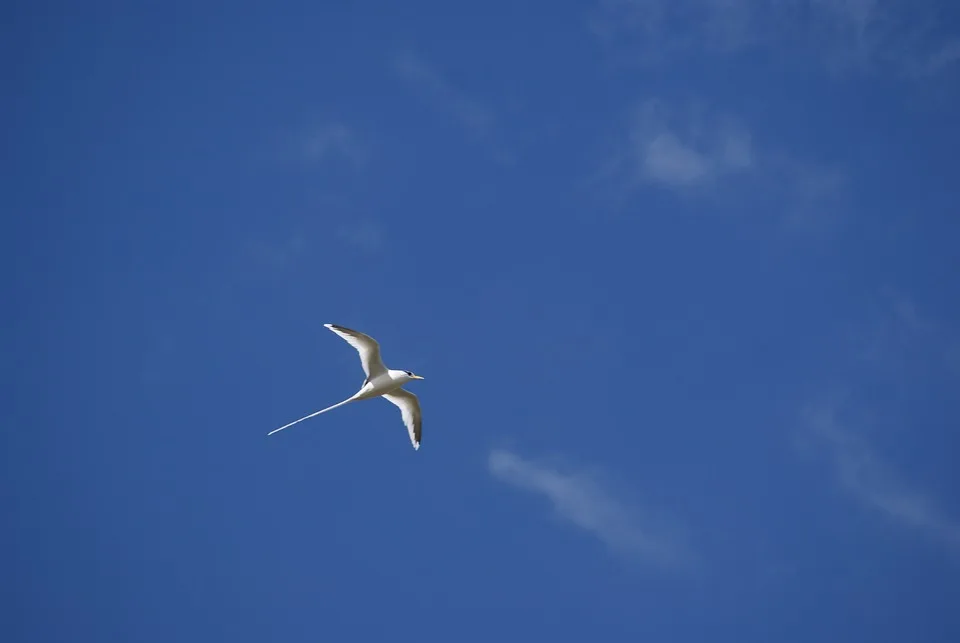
(367, 346)
(409, 410)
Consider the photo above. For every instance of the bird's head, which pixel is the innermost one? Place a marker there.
(412, 375)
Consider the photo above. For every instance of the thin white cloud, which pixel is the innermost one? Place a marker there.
(900, 338)
(654, 31)
(367, 236)
(469, 112)
(683, 154)
(898, 35)
(872, 481)
(945, 56)
(898, 355)
(477, 119)
(581, 500)
(812, 196)
(329, 144)
(667, 160)
(333, 141)
(696, 152)
(278, 254)
(364, 236)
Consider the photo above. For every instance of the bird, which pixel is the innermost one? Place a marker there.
(380, 382)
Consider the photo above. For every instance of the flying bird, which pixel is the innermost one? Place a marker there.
(380, 382)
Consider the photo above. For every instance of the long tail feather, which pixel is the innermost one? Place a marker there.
(329, 408)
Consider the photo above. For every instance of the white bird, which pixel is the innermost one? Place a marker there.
(380, 382)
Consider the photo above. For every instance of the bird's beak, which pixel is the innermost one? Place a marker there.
(417, 377)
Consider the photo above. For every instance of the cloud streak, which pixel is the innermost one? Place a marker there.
(478, 120)
(900, 367)
(844, 35)
(872, 482)
(676, 155)
(278, 254)
(714, 157)
(333, 141)
(366, 236)
(580, 499)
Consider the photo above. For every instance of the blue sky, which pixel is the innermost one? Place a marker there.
(681, 278)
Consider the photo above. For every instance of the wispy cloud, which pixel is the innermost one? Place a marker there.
(899, 364)
(870, 480)
(653, 31)
(580, 499)
(696, 152)
(477, 119)
(686, 154)
(900, 338)
(367, 236)
(948, 54)
(333, 141)
(362, 235)
(812, 197)
(278, 254)
(898, 35)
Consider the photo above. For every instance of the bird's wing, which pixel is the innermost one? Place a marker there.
(409, 409)
(367, 346)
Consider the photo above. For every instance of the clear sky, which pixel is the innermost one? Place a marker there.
(682, 278)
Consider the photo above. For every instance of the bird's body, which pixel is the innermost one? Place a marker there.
(380, 382)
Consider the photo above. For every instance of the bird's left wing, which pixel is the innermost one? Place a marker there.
(409, 410)
(366, 346)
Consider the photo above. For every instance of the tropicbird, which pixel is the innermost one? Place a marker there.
(380, 382)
